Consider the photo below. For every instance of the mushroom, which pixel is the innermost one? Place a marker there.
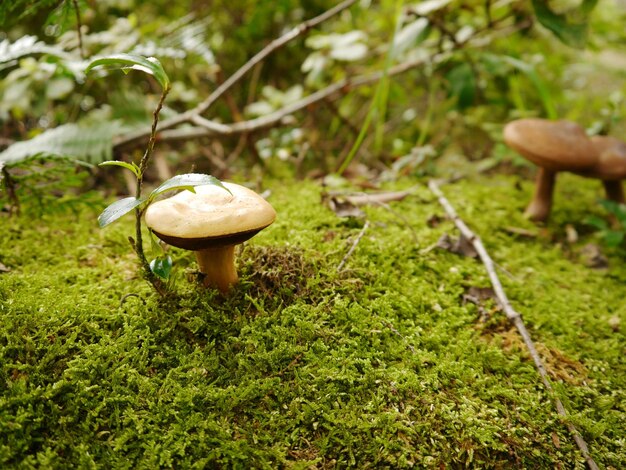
(611, 165)
(211, 222)
(556, 146)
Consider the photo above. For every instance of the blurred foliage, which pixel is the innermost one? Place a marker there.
(612, 234)
(481, 63)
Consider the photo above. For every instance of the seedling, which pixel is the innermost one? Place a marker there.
(158, 270)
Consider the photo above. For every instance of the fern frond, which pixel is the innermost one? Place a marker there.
(28, 45)
(185, 36)
(91, 144)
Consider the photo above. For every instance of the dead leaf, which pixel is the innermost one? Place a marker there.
(329, 235)
(376, 198)
(460, 246)
(347, 204)
(521, 232)
(434, 220)
(614, 323)
(481, 293)
(478, 296)
(593, 257)
(4, 268)
(344, 208)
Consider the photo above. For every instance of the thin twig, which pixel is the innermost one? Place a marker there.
(267, 50)
(143, 165)
(512, 315)
(79, 26)
(206, 128)
(353, 247)
(299, 30)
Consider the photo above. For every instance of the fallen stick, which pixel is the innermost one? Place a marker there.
(512, 315)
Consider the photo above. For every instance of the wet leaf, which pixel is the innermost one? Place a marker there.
(125, 62)
(117, 210)
(187, 181)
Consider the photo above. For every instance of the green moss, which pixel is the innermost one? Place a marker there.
(379, 365)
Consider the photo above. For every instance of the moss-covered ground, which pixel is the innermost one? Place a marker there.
(380, 365)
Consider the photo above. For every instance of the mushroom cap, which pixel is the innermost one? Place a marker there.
(210, 217)
(611, 164)
(553, 145)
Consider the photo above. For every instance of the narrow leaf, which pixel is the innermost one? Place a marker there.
(124, 62)
(186, 181)
(128, 166)
(572, 34)
(538, 83)
(117, 210)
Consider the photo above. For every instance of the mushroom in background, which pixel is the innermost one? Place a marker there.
(556, 146)
(211, 222)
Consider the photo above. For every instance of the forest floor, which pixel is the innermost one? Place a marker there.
(399, 358)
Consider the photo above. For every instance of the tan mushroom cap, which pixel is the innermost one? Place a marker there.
(209, 217)
(611, 160)
(553, 145)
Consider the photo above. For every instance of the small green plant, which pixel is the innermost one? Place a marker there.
(158, 270)
(612, 234)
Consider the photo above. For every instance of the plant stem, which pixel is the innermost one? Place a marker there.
(78, 29)
(143, 165)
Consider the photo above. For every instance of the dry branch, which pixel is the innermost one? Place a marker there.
(191, 114)
(512, 315)
(207, 128)
(202, 127)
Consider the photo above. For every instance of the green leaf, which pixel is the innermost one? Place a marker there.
(90, 143)
(161, 266)
(538, 83)
(572, 34)
(187, 181)
(117, 210)
(462, 85)
(613, 237)
(125, 62)
(597, 222)
(129, 166)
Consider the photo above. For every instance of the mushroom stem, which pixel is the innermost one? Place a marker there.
(539, 208)
(218, 266)
(614, 190)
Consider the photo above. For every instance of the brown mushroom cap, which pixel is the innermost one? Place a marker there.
(611, 163)
(210, 217)
(553, 145)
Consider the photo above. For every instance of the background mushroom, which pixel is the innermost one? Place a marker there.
(610, 166)
(211, 222)
(556, 146)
